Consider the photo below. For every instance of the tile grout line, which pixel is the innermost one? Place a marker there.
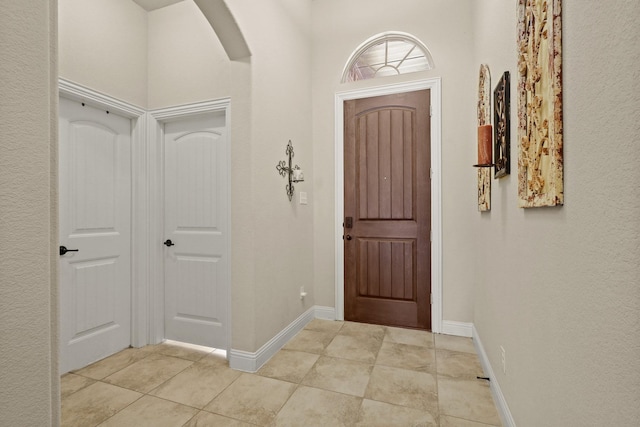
(311, 369)
(209, 402)
(436, 376)
(149, 353)
(145, 393)
(299, 383)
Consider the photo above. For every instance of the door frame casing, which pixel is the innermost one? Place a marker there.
(156, 120)
(435, 87)
(139, 231)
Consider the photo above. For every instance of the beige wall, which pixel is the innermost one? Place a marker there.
(186, 62)
(103, 45)
(279, 234)
(170, 56)
(558, 287)
(340, 27)
(29, 380)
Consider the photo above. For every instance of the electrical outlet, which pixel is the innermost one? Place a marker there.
(302, 293)
(503, 359)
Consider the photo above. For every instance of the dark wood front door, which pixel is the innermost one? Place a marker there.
(387, 208)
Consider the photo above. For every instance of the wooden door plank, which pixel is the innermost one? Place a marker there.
(385, 267)
(409, 277)
(361, 164)
(384, 163)
(409, 156)
(397, 164)
(373, 268)
(363, 276)
(397, 270)
(373, 187)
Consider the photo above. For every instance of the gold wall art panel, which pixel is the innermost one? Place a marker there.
(540, 159)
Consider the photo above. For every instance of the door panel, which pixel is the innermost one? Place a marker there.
(95, 212)
(387, 192)
(386, 268)
(196, 282)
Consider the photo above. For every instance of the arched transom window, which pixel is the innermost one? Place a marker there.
(387, 54)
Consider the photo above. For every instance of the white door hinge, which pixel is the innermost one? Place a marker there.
(431, 298)
(430, 110)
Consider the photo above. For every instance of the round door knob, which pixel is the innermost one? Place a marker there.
(348, 236)
(168, 242)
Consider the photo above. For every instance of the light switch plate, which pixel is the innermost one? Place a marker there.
(303, 198)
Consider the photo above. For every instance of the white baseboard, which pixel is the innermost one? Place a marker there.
(251, 362)
(460, 329)
(498, 397)
(326, 313)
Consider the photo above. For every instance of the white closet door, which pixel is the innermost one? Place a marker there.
(196, 223)
(95, 223)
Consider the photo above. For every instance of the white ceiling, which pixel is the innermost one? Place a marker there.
(150, 5)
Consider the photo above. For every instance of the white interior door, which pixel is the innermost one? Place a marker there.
(95, 222)
(196, 223)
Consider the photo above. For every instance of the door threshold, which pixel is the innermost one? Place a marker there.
(201, 348)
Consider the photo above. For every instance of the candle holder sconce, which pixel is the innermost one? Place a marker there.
(294, 174)
(484, 147)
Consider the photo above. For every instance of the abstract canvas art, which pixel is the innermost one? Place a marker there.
(540, 158)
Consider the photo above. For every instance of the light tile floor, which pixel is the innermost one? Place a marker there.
(330, 374)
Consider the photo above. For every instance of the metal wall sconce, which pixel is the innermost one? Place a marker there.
(293, 173)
